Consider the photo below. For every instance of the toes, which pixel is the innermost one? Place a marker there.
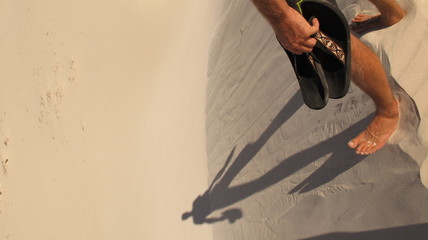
(362, 148)
(356, 141)
(369, 147)
(375, 147)
(352, 144)
(361, 17)
(364, 17)
(363, 145)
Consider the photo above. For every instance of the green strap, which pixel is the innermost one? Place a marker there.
(298, 5)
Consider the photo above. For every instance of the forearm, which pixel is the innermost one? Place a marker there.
(275, 11)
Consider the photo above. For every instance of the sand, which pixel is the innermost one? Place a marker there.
(102, 117)
(117, 119)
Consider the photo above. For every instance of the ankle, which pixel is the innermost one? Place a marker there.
(393, 17)
(389, 111)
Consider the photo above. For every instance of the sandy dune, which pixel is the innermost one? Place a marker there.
(279, 170)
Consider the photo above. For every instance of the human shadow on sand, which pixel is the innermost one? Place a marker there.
(413, 232)
(220, 194)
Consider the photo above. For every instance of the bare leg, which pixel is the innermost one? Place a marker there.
(390, 14)
(369, 75)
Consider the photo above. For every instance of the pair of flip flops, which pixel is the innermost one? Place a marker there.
(325, 72)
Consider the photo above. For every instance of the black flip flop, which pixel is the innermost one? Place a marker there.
(333, 44)
(310, 77)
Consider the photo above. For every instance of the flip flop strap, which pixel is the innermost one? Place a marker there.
(331, 45)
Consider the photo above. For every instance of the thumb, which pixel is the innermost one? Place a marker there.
(315, 26)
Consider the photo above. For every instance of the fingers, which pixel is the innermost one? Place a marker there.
(304, 46)
(299, 40)
(308, 44)
(315, 26)
(297, 48)
(300, 50)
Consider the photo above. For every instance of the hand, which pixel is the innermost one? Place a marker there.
(295, 33)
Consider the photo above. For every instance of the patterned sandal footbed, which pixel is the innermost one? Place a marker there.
(330, 46)
(311, 79)
(333, 61)
(333, 44)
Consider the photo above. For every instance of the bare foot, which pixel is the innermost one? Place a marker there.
(365, 22)
(377, 133)
(363, 17)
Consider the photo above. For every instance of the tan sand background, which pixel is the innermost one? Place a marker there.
(102, 117)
